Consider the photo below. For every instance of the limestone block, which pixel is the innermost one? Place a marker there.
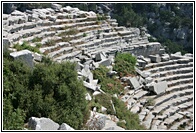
(24, 55)
(6, 44)
(155, 58)
(88, 97)
(134, 83)
(37, 57)
(64, 126)
(42, 124)
(56, 7)
(97, 121)
(159, 87)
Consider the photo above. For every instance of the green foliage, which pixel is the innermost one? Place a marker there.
(50, 43)
(150, 102)
(132, 120)
(104, 100)
(108, 84)
(37, 39)
(49, 90)
(25, 45)
(101, 17)
(84, 35)
(172, 47)
(125, 63)
(126, 16)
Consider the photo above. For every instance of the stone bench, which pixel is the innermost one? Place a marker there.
(67, 56)
(172, 119)
(56, 53)
(171, 72)
(180, 87)
(154, 65)
(176, 77)
(177, 124)
(179, 81)
(148, 119)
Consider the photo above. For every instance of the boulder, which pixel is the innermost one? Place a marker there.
(42, 124)
(64, 126)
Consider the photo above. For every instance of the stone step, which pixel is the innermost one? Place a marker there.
(179, 82)
(176, 77)
(176, 125)
(180, 87)
(172, 72)
(148, 119)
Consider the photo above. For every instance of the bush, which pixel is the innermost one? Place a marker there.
(108, 84)
(132, 120)
(24, 46)
(125, 63)
(49, 90)
(150, 102)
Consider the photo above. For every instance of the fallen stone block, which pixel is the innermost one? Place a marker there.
(159, 87)
(100, 56)
(37, 57)
(155, 58)
(42, 124)
(56, 7)
(88, 97)
(23, 55)
(97, 121)
(133, 82)
(64, 126)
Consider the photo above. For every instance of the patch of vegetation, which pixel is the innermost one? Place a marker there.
(150, 102)
(24, 46)
(50, 90)
(50, 43)
(84, 35)
(132, 120)
(36, 39)
(124, 64)
(72, 31)
(101, 17)
(108, 84)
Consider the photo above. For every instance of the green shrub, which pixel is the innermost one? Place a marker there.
(50, 43)
(36, 39)
(132, 120)
(109, 85)
(49, 90)
(150, 102)
(125, 63)
(24, 46)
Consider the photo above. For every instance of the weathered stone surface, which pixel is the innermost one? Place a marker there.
(134, 83)
(100, 56)
(159, 87)
(97, 121)
(42, 124)
(64, 126)
(37, 57)
(6, 44)
(111, 125)
(155, 58)
(88, 97)
(56, 7)
(24, 55)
